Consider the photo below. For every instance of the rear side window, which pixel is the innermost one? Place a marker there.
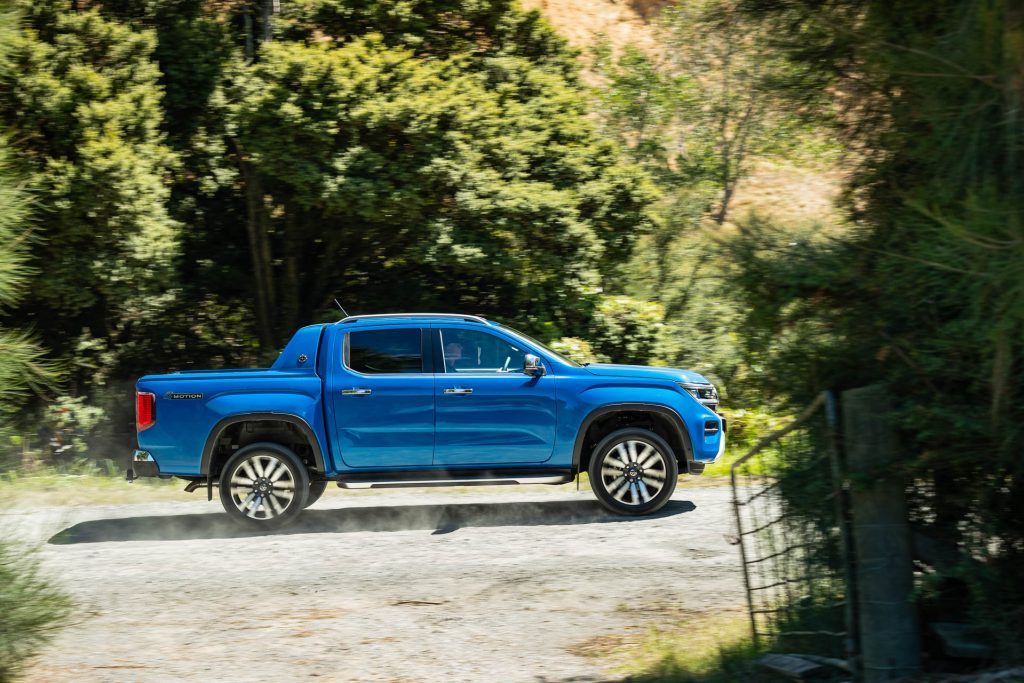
(385, 351)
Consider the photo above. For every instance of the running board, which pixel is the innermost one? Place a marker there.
(381, 480)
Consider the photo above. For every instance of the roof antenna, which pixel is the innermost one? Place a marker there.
(340, 307)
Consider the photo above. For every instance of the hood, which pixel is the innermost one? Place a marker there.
(644, 372)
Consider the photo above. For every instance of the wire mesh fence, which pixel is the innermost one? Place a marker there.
(792, 521)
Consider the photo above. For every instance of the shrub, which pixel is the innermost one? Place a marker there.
(627, 330)
(32, 610)
(575, 348)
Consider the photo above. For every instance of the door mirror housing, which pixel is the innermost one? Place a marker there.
(532, 365)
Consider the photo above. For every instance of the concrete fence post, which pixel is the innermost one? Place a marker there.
(889, 633)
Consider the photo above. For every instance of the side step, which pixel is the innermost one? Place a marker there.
(392, 480)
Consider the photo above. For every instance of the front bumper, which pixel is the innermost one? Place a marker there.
(142, 464)
(697, 466)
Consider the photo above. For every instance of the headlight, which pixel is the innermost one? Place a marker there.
(705, 393)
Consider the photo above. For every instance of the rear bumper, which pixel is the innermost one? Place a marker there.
(142, 464)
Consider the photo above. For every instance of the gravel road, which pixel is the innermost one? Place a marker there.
(398, 586)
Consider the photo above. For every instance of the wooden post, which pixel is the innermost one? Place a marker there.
(841, 505)
(889, 635)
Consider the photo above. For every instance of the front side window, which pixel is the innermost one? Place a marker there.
(474, 351)
(375, 352)
(546, 349)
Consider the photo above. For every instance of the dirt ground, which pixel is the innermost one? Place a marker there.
(500, 585)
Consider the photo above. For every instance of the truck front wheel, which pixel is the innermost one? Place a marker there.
(264, 486)
(633, 471)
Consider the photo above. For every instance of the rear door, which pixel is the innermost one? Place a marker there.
(488, 410)
(382, 395)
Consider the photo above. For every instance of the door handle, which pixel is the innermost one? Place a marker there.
(458, 391)
(356, 392)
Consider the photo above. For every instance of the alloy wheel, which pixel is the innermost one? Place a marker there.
(634, 472)
(262, 486)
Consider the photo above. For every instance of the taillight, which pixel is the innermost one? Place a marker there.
(145, 410)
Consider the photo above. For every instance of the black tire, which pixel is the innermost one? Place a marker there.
(316, 489)
(259, 501)
(627, 465)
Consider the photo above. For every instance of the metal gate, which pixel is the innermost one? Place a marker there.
(792, 518)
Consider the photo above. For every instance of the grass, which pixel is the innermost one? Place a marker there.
(746, 426)
(50, 487)
(685, 646)
(32, 609)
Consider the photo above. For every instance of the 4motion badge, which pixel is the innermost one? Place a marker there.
(176, 396)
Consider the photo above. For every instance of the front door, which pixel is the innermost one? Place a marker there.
(488, 410)
(383, 398)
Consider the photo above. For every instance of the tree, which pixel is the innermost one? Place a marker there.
(200, 202)
(626, 330)
(926, 295)
(393, 181)
(699, 112)
(81, 100)
(433, 28)
(268, 188)
(22, 363)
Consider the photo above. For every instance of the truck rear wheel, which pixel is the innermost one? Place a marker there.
(264, 486)
(633, 471)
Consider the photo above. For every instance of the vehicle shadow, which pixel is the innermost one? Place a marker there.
(442, 519)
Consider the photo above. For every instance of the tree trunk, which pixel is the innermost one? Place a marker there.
(734, 154)
(250, 47)
(259, 250)
(290, 291)
(723, 209)
(267, 11)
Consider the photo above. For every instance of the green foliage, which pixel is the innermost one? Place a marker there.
(926, 295)
(81, 99)
(575, 349)
(23, 368)
(733, 662)
(205, 191)
(639, 102)
(697, 113)
(627, 330)
(434, 28)
(192, 49)
(688, 646)
(14, 233)
(417, 174)
(32, 610)
(71, 421)
(22, 365)
(701, 111)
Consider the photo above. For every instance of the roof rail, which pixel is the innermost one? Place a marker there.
(458, 316)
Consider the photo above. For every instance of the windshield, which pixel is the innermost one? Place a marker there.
(546, 349)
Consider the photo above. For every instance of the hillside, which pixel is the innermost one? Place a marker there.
(798, 193)
(578, 21)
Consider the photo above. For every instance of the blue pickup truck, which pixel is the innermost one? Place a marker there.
(418, 399)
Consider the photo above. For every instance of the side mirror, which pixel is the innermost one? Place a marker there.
(532, 365)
